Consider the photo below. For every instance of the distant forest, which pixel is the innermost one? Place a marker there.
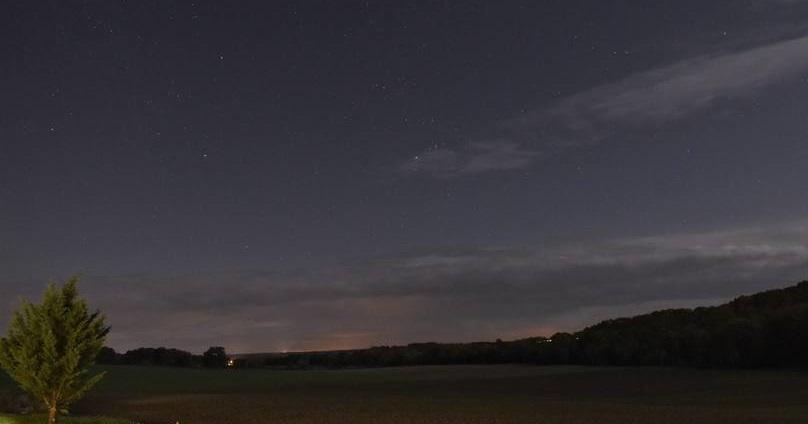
(214, 357)
(768, 329)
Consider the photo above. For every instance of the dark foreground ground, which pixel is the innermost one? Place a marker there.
(452, 394)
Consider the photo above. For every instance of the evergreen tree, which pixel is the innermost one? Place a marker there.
(51, 346)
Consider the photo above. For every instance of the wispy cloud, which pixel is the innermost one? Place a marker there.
(473, 158)
(638, 101)
(668, 93)
(447, 294)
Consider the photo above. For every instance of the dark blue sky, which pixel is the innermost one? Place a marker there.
(304, 175)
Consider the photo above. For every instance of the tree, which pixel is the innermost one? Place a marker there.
(214, 357)
(51, 346)
(108, 356)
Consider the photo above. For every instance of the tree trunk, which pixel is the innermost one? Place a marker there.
(52, 415)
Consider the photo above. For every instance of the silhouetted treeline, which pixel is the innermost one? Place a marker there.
(769, 329)
(214, 357)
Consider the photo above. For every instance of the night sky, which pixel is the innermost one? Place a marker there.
(315, 175)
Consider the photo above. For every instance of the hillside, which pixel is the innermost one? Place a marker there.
(762, 330)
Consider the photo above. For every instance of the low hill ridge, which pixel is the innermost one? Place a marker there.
(766, 329)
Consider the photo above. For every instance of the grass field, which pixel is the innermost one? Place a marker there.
(451, 394)
(40, 419)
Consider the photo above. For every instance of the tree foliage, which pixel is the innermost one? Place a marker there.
(214, 357)
(50, 347)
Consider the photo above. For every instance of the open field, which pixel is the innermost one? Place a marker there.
(451, 394)
(40, 419)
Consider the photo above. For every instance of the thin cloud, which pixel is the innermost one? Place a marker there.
(639, 101)
(474, 158)
(459, 294)
(668, 93)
